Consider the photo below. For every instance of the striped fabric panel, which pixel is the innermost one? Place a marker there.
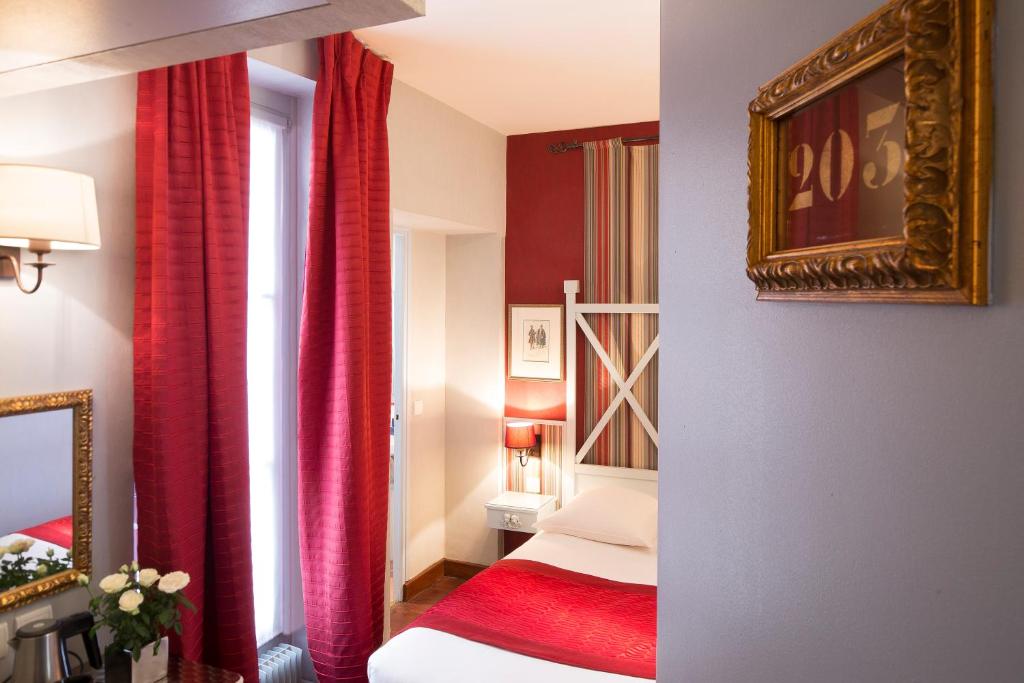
(620, 266)
(643, 288)
(550, 465)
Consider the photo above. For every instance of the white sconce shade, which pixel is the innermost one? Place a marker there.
(47, 208)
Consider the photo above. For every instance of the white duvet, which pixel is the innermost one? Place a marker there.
(423, 655)
(39, 546)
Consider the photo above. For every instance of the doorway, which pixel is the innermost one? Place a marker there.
(399, 401)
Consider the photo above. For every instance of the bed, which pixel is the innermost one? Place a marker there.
(456, 641)
(426, 655)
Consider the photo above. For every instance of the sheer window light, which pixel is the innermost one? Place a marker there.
(266, 292)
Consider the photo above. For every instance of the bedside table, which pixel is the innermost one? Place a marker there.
(515, 514)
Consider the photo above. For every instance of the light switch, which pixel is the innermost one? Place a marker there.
(417, 407)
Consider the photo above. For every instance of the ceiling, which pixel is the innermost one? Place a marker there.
(49, 43)
(526, 66)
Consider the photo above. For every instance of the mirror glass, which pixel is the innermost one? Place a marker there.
(37, 458)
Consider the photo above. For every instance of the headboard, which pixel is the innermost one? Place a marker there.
(577, 476)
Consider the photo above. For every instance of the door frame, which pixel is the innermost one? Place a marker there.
(400, 394)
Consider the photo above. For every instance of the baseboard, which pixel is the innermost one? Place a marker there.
(462, 570)
(424, 580)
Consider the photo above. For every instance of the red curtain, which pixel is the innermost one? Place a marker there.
(345, 363)
(191, 432)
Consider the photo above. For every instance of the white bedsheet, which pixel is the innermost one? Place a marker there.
(423, 655)
(39, 547)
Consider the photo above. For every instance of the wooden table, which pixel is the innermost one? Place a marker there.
(182, 671)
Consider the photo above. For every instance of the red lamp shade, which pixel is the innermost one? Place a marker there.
(520, 435)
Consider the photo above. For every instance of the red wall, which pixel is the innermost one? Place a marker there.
(544, 238)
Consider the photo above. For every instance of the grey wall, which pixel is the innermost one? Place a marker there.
(76, 331)
(842, 486)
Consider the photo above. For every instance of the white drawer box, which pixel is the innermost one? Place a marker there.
(513, 511)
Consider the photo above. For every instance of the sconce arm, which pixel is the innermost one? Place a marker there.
(39, 265)
(524, 456)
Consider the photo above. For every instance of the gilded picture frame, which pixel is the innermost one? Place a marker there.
(80, 403)
(942, 255)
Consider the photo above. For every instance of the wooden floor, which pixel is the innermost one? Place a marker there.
(403, 613)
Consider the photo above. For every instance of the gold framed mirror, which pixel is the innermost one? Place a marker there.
(46, 490)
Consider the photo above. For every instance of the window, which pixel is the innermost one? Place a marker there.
(272, 342)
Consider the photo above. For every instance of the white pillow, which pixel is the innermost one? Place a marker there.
(609, 515)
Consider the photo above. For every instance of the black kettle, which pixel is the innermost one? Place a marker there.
(41, 652)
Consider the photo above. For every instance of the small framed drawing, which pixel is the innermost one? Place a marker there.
(869, 162)
(535, 342)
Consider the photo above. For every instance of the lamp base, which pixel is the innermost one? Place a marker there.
(6, 269)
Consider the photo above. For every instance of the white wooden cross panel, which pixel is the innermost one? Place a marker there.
(572, 459)
(625, 392)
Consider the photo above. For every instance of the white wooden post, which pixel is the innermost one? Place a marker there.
(571, 288)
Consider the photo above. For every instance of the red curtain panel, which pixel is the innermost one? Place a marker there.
(191, 440)
(345, 363)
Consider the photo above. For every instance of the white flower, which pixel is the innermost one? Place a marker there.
(123, 569)
(83, 579)
(147, 577)
(21, 545)
(130, 601)
(134, 566)
(173, 582)
(113, 583)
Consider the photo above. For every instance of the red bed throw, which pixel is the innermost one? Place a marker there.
(56, 531)
(549, 613)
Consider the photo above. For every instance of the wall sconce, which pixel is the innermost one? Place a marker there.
(43, 209)
(519, 436)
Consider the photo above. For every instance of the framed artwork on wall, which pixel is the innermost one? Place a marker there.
(535, 334)
(869, 162)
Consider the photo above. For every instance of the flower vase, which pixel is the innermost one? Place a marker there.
(121, 668)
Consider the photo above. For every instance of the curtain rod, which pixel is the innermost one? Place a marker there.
(561, 147)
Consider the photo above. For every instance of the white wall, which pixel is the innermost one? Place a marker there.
(448, 176)
(475, 393)
(455, 369)
(425, 377)
(447, 170)
(76, 331)
(840, 484)
(444, 165)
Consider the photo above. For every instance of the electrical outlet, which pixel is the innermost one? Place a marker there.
(38, 614)
(4, 647)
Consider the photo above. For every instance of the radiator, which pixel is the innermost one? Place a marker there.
(281, 664)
